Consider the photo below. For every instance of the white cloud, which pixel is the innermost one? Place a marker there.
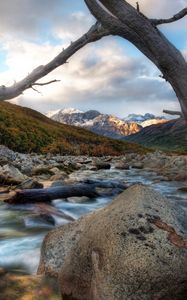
(109, 80)
(101, 76)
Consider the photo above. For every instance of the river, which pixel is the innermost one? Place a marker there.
(21, 234)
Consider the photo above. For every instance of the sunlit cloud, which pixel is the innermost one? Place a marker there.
(104, 76)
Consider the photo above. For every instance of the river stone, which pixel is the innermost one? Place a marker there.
(122, 166)
(12, 174)
(132, 249)
(102, 166)
(6, 153)
(58, 177)
(31, 184)
(78, 199)
(137, 165)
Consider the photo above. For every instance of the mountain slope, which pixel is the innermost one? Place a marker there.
(103, 124)
(170, 136)
(25, 130)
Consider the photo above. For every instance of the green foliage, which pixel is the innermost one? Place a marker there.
(25, 130)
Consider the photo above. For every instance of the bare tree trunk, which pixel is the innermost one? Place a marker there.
(88, 188)
(120, 18)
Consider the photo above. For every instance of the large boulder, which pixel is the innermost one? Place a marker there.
(12, 175)
(133, 249)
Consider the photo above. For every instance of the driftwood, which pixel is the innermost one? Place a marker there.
(87, 188)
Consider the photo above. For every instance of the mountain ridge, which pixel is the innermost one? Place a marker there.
(169, 136)
(105, 124)
(25, 130)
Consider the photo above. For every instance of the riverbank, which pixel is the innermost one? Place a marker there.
(23, 227)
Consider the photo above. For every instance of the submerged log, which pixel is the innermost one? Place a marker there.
(49, 210)
(48, 194)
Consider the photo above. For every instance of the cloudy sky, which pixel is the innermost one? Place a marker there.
(111, 75)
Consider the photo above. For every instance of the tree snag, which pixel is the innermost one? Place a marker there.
(144, 34)
(118, 17)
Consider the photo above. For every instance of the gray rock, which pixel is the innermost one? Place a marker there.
(6, 153)
(12, 174)
(137, 165)
(132, 249)
(60, 176)
(78, 199)
(30, 184)
(122, 166)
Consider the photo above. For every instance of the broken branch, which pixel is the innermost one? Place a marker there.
(175, 18)
(172, 112)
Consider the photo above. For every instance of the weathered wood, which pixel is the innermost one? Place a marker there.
(141, 31)
(65, 191)
(172, 112)
(95, 33)
(122, 19)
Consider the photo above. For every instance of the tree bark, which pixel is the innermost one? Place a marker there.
(143, 33)
(96, 32)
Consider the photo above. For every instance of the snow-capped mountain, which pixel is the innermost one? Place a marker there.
(94, 121)
(51, 113)
(145, 120)
(70, 110)
(141, 118)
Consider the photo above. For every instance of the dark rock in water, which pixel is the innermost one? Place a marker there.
(137, 165)
(102, 165)
(132, 249)
(40, 220)
(183, 189)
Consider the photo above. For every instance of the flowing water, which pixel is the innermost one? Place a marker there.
(21, 233)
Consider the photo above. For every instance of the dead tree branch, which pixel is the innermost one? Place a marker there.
(95, 33)
(45, 83)
(172, 112)
(175, 18)
(142, 32)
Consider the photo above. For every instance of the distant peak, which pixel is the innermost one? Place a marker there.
(70, 110)
(51, 113)
(142, 118)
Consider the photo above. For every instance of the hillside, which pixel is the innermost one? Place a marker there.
(25, 130)
(170, 136)
(99, 123)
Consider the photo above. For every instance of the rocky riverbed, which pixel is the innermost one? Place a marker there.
(24, 226)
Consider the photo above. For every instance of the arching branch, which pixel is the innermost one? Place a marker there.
(109, 18)
(175, 18)
(141, 31)
(95, 33)
(172, 112)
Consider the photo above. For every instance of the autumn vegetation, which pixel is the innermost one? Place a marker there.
(26, 131)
